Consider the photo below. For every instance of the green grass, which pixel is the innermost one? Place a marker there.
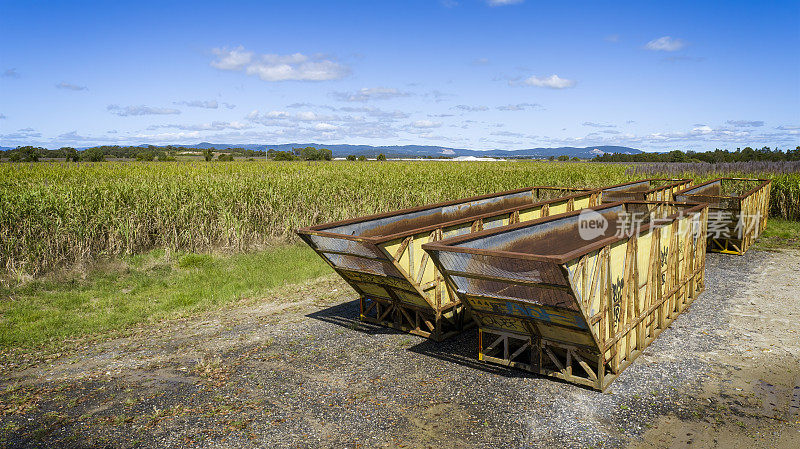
(779, 234)
(142, 289)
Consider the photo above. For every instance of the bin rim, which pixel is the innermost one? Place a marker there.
(446, 244)
(675, 181)
(320, 228)
(687, 191)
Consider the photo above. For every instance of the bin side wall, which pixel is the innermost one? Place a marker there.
(733, 222)
(631, 290)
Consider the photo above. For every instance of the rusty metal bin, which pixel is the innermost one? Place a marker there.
(737, 211)
(654, 189)
(562, 297)
(381, 256)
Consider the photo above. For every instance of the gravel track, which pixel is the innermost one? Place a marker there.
(298, 370)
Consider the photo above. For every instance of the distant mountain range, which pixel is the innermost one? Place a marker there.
(411, 151)
(420, 151)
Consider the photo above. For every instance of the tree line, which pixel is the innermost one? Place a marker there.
(312, 154)
(718, 156)
(140, 153)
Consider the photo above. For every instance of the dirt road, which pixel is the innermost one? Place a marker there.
(298, 370)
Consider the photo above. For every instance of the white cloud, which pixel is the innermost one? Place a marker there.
(612, 38)
(504, 2)
(598, 125)
(469, 108)
(271, 67)
(518, 107)
(375, 112)
(68, 86)
(480, 61)
(324, 127)
(212, 126)
(140, 110)
(206, 104)
(665, 43)
(746, 123)
(550, 82)
(169, 137)
(426, 124)
(507, 134)
(73, 136)
(371, 93)
(24, 134)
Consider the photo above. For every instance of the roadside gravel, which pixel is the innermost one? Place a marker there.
(298, 370)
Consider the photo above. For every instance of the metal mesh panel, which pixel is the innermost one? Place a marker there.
(345, 246)
(414, 220)
(507, 290)
(713, 201)
(544, 194)
(712, 188)
(366, 265)
(503, 267)
(631, 186)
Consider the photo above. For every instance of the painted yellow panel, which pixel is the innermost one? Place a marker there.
(503, 323)
(530, 214)
(558, 208)
(566, 335)
(360, 277)
(581, 202)
(529, 311)
(411, 298)
(391, 247)
(374, 290)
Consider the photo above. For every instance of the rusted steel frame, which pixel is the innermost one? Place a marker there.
(477, 219)
(320, 229)
(688, 191)
(408, 288)
(340, 271)
(343, 253)
(422, 315)
(676, 182)
(537, 348)
(745, 205)
(486, 277)
(650, 310)
(548, 323)
(447, 244)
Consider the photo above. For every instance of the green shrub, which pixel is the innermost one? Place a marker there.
(93, 155)
(145, 156)
(195, 261)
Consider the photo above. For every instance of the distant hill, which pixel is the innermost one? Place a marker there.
(397, 151)
(417, 151)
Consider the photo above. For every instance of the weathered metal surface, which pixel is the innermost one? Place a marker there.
(561, 298)
(381, 256)
(738, 211)
(654, 189)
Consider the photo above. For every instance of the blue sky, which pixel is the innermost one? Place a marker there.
(476, 74)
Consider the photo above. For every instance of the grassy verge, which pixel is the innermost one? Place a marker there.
(779, 234)
(142, 289)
